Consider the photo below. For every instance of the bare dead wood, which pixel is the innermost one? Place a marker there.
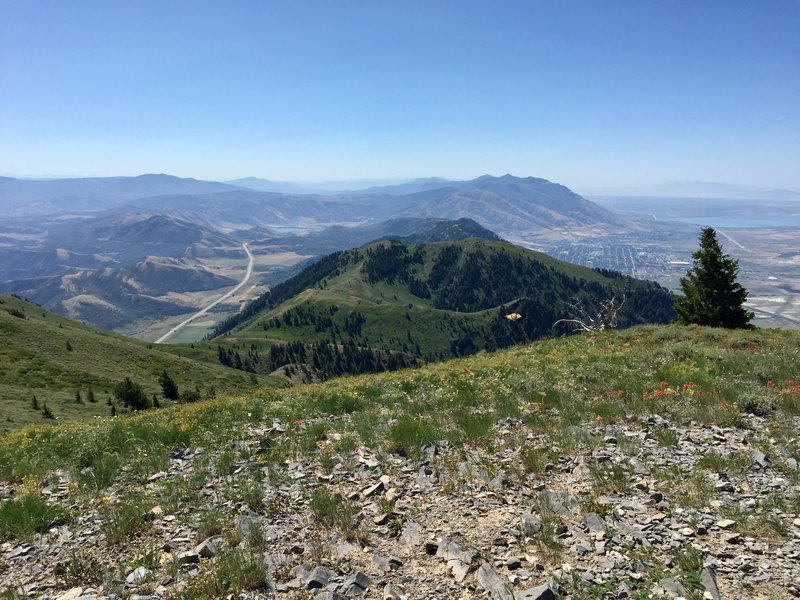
(606, 318)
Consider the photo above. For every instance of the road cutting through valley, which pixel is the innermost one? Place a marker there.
(225, 296)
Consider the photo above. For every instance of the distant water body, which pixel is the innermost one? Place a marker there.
(733, 221)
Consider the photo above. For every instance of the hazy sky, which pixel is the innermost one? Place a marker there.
(591, 94)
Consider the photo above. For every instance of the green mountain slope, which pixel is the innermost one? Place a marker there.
(422, 303)
(53, 358)
(638, 432)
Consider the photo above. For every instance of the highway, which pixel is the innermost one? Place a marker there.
(225, 296)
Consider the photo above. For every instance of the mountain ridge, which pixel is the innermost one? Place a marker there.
(195, 223)
(425, 302)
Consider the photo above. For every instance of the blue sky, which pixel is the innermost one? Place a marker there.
(611, 94)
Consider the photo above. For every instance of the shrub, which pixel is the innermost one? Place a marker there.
(189, 396)
(131, 395)
(211, 522)
(755, 404)
(47, 413)
(123, 520)
(534, 460)
(29, 514)
(711, 295)
(101, 472)
(232, 573)
(408, 435)
(333, 509)
(340, 404)
(168, 386)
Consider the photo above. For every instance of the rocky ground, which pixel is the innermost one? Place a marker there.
(637, 509)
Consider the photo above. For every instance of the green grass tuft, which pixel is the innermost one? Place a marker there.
(29, 514)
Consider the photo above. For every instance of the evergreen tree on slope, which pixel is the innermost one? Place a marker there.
(711, 295)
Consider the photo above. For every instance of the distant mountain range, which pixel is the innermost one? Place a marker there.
(123, 270)
(109, 250)
(22, 197)
(507, 205)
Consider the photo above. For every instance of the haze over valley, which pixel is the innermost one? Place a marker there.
(139, 254)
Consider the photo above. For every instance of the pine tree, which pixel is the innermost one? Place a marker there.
(131, 395)
(168, 386)
(47, 413)
(711, 295)
(35, 403)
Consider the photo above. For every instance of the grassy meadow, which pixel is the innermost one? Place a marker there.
(514, 413)
(53, 359)
(681, 373)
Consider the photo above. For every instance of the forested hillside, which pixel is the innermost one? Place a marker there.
(392, 305)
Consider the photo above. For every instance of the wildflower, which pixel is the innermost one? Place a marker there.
(298, 422)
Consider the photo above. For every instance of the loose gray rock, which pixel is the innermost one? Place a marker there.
(561, 503)
(188, 558)
(392, 593)
(386, 563)
(449, 550)
(209, 547)
(245, 523)
(726, 523)
(673, 587)
(373, 490)
(594, 523)
(531, 524)
(411, 533)
(459, 570)
(540, 592)
(708, 579)
(318, 578)
(761, 460)
(494, 585)
(138, 576)
(356, 585)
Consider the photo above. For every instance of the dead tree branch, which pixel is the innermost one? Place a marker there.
(606, 318)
